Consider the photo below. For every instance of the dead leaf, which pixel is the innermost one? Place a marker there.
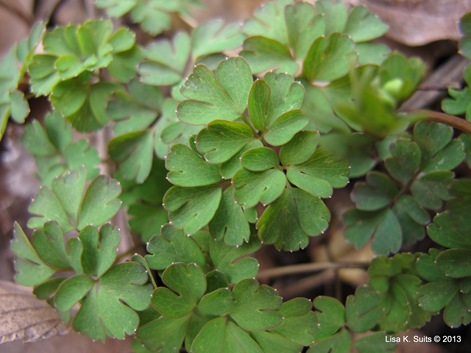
(418, 22)
(24, 317)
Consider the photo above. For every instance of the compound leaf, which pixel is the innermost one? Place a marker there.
(109, 308)
(378, 192)
(319, 174)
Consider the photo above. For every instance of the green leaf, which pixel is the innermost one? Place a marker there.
(186, 168)
(275, 96)
(221, 334)
(109, 309)
(217, 303)
(83, 105)
(221, 140)
(412, 218)
(338, 343)
(298, 321)
(99, 203)
(257, 306)
(231, 261)
(164, 334)
(292, 218)
(172, 245)
(268, 21)
(260, 159)
(191, 209)
(30, 269)
(431, 137)
(373, 343)
(229, 222)
(431, 189)
(329, 317)
(381, 226)
(134, 109)
(335, 14)
(52, 147)
(455, 262)
(72, 205)
(329, 58)
(304, 25)
(186, 285)
(435, 296)
(363, 26)
(250, 188)
(319, 174)
(99, 249)
(49, 244)
(214, 37)
(404, 160)
(300, 148)
(71, 291)
(377, 193)
(457, 312)
(364, 309)
(134, 152)
(265, 54)
(285, 127)
(166, 61)
(219, 95)
(229, 168)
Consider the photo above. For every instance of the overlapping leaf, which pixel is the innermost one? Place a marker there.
(420, 165)
(443, 291)
(13, 67)
(55, 152)
(154, 17)
(173, 246)
(322, 37)
(73, 204)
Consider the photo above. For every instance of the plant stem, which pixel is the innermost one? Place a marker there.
(308, 268)
(453, 121)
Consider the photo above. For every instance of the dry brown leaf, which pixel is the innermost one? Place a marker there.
(418, 22)
(24, 317)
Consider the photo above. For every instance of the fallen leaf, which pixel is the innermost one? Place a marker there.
(24, 317)
(418, 22)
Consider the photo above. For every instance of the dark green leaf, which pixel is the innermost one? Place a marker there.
(260, 159)
(300, 148)
(338, 343)
(229, 222)
(221, 140)
(191, 209)
(377, 193)
(257, 306)
(187, 168)
(382, 226)
(134, 152)
(319, 174)
(364, 309)
(292, 218)
(329, 317)
(455, 263)
(250, 188)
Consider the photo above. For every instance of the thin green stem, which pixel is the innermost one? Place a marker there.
(308, 268)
